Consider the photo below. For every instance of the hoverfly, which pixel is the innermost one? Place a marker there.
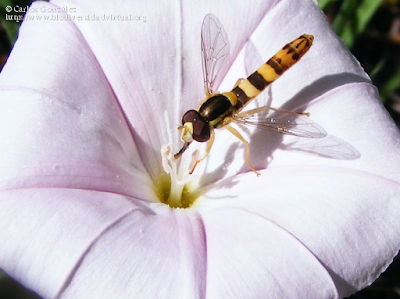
(218, 110)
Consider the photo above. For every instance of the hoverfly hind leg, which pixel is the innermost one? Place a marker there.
(288, 111)
(240, 137)
(266, 108)
(238, 82)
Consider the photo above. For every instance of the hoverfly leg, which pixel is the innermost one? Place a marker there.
(208, 93)
(237, 82)
(182, 150)
(209, 145)
(240, 137)
(252, 112)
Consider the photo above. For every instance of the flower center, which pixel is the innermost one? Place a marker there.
(173, 195)
(176, 187)
(173, 188)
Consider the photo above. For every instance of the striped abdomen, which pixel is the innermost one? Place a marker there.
(251, 87)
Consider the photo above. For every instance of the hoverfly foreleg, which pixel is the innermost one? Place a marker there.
(209, 145)
(183, 149)
(240, 137)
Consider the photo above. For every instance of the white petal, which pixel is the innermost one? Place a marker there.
(60, 123)
(46, 232)
(347, 218)
(162, 255)
(257, 258)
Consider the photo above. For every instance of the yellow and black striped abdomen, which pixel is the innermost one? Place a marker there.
(251, 87)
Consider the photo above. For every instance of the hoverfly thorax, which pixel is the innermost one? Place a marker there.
(215, 108)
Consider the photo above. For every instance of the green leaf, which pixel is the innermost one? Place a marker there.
(365, 12)
(344, 22)
(324, 3)
(390, 86)
(377, 68)
(353, 17)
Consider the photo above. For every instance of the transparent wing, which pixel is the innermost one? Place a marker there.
(252, 62)
(328, 147)
(215, 53)
(283, 122)
(253, 59)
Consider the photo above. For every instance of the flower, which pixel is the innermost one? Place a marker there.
(82, 125)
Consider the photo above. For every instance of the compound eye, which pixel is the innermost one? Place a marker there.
(201, 128)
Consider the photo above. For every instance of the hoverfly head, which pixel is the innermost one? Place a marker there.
(194, 127)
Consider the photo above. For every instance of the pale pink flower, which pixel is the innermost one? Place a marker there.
(82, 125)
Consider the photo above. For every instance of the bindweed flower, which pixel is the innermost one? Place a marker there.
(91, 97)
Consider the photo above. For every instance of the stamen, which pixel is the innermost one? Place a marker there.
(168, 127)
(176, 169)
(165, 152)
